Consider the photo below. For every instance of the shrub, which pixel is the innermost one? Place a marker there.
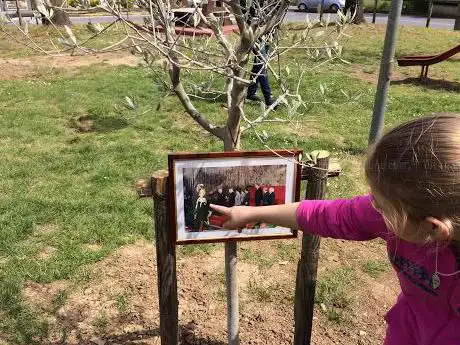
(74, 3)
(126, 3)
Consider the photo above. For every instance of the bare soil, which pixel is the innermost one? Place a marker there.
(120, 304)
(36, 66)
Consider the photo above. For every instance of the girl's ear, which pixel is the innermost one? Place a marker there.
(441, 230)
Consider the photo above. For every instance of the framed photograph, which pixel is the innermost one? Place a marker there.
(252, 178)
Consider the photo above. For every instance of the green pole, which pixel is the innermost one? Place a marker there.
(386, 65)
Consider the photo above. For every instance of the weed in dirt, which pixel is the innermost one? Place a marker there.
(197, 249)
(375, 268)
(288, 250)
(59, 300)
(101, 323)
(262, 293)
(333, 293)
(122, 303)
(262, 260)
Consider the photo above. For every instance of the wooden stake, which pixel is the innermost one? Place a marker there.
(308, 264)
(166, 261)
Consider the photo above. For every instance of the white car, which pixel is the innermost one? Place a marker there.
(329, 5)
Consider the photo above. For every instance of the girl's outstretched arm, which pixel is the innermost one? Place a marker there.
(352, 219)
(238, 216)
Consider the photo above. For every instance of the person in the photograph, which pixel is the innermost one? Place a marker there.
(259, 194)
(238, 196)
(265, 197)
(188, 208)
(231, 197)
(219, 197)
(271, 196)
(246, 197)
(202, 211)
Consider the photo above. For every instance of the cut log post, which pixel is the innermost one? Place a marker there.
(308, 264)
(166, 261)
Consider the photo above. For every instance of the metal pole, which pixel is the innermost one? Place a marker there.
(386, 65)
(232, 293)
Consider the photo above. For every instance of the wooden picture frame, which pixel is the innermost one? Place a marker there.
(196, 180)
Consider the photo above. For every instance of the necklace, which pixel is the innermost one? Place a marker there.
(436, 278)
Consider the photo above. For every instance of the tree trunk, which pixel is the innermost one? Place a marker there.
(59, 18)
(457, 19)
(356, 9)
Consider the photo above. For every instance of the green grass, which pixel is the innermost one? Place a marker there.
(333, 293)
(256, 257)
(65, 189)
(375, 268)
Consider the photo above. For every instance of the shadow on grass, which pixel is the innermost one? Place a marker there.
(433, 84)
(96, 123)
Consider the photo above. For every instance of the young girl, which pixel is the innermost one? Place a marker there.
(414, 176)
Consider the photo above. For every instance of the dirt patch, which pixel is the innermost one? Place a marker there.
(33, 67)
(407, 75)
(45, 229)
(121, 304)
(370, 74)
(46, 253)
(41, 295)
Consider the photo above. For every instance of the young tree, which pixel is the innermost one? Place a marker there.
(196, 65)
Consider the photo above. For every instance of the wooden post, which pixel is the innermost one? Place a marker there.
(430, 12)
(308, 264)
(166, 261)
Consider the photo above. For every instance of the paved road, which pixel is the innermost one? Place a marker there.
(440, 23)
(292, 16)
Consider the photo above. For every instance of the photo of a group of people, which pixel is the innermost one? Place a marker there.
(227, 187)
(229, 181)
(200, 217)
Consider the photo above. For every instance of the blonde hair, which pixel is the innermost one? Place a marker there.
(415, 170)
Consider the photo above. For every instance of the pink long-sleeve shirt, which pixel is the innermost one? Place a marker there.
(425, 314)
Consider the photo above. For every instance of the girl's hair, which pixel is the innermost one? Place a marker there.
(415, 171)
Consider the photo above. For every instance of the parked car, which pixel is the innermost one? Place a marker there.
(329, 5)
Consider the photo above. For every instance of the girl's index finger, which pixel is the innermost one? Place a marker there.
(221, 209)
